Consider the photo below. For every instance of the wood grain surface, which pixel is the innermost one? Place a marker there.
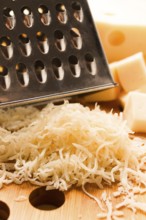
(77, 205)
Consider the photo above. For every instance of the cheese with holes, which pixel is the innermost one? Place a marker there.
(108, 94)
(132, 72)
(135, 111)
(121, 25)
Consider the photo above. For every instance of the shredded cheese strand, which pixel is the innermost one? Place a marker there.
(69, 144)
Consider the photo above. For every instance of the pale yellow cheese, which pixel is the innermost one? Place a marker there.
(135, 111)
(123, 98)
(142, 89)
(121, 25)
(131, 72)
(108, 94)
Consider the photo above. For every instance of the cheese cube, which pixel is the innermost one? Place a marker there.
(113, 69)
(108, 94)
(135, 111)
(123, 97)
(132, 72)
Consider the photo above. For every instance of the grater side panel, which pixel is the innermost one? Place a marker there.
(49, 50)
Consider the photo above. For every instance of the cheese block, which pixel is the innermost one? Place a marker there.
(135, 111)
(123, 97)
(128, 73)
(121, 25)
(142, 89)
(108, 94)
(131, 72)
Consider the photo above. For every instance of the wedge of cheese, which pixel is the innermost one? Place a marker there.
(142, 89)
(108, 94)
(121, 25)
(135, 111)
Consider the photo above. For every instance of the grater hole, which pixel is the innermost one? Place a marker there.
(4, 77)
(27, 16)
(45, 14)
(6, 47)
(3, 71)
(40, 71)
(74, 66)
(61, 13)
(47, 200)
(22, 74)
(4, 211)
(90, 63)
(25, 44)
(76, 38)
(9, 18)
(78, 12)
(59, 40)
(24, 38)
(57, 68)
(43, 43)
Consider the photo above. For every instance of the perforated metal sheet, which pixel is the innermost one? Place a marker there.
(49, 49)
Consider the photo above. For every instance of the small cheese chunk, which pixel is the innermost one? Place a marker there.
(135, 111)
(113, 70)
(108, 94)
(132, 72)
(123, 98)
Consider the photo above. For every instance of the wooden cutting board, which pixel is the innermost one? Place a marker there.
(77, 205)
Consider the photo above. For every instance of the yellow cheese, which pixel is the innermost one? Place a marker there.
(135, 111)
(142, 89)
(123, 98)
(108, 94)
(131, 72)
(121, 25)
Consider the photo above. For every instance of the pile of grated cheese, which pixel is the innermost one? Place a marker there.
(69, 144)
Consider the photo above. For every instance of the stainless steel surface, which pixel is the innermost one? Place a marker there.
(49, 51)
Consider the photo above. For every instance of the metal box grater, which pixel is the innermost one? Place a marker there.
(49, 50)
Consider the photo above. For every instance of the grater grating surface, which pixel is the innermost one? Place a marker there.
(49, 49)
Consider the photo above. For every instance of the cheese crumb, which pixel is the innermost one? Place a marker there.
(21, 198)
